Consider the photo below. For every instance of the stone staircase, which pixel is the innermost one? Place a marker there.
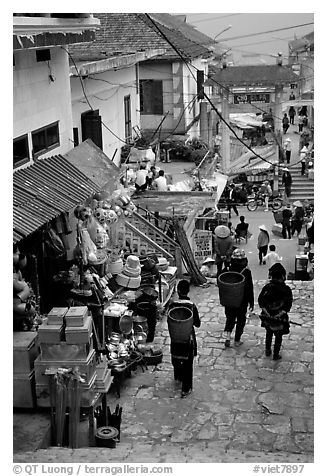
(302, 187)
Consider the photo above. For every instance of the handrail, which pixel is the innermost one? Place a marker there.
(151, 242)
(156, 229)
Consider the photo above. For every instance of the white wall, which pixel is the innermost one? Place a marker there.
(160, 71)
(37, 101)
(106, 92)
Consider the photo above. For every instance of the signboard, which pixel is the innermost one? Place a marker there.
(251, 98)
(202, 245)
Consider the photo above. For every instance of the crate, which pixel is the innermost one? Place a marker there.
(24, 395)
(56, 315)
(65, 351)
(88, 395)
(87, 367)
(26, 350)
(81, 334)
(50, 334)
(76, 316)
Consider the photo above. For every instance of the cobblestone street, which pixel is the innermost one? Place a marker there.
(244, 406)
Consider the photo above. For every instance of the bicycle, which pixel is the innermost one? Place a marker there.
(258, 200)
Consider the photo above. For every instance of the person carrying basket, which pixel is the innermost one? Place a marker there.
(183, 349)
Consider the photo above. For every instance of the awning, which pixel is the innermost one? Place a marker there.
(45, 189)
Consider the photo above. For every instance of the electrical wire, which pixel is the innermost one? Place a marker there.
(268, 31)
(207, 98)
(86, 98)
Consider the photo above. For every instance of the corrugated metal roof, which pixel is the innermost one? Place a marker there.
(44, 190)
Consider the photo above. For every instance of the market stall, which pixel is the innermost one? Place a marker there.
(95, 309)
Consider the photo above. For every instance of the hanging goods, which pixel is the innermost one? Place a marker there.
(231, 288)
(180, 323)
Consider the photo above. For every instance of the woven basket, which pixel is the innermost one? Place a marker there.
(180, 323)
(231, 288)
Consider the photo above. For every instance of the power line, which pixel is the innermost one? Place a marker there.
(268, 31)
(215, 18)
(206, 96)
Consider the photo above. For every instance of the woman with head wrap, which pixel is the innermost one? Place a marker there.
(275, 300)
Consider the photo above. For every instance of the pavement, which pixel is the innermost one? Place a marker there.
(244, 406)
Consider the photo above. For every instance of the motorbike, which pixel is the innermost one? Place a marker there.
(258, 199)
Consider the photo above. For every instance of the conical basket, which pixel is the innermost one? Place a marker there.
(231, 288)
(180, 323)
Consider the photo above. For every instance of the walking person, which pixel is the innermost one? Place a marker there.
(241, 229)
(183, 353)
(286, 221)
(285, 123)
(232, 199)
(263, 242)
(301, 121)
(298, 217)
(223, 247)
(272, 257)
(287, 182)
(287, 149)
(304, 154)
(275, 300)
(291, 113)
(239, 263)
(266, 191)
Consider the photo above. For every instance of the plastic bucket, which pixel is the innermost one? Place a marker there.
(180, 323)
(231, 288)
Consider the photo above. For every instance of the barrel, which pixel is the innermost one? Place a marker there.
(231, 288)
(180, 323)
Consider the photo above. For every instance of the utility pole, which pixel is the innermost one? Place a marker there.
(225, 142)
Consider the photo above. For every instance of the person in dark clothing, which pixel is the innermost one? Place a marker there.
(287, 182)
(275, 300)
(298, 218)
(239, 264)
(286, 123)
(310, 234)
(292, 96)
(231, 199)
(241, 228)
(286, 222)
(183, 353)
(291, 113)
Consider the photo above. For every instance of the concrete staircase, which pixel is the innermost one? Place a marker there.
(302, 187)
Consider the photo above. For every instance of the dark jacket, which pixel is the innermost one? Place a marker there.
(286, 179)
(240, 266)
(183, 350)
(277, 298)
(286, 216)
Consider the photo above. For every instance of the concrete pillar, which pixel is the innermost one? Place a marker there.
(225, 143)
(203, 121)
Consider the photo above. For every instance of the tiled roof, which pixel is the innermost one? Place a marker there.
(251, 75)
(45, 189)
(126, 33)
(173, 22)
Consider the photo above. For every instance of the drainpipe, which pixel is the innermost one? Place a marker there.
(203, 121)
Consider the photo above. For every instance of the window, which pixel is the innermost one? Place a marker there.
(127, 118)
(45, 138)
(21, 154)
(151, 97)
(43, 55)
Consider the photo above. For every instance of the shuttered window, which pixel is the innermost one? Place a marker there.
(20, 151)
(45, 138)
(151, 96)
